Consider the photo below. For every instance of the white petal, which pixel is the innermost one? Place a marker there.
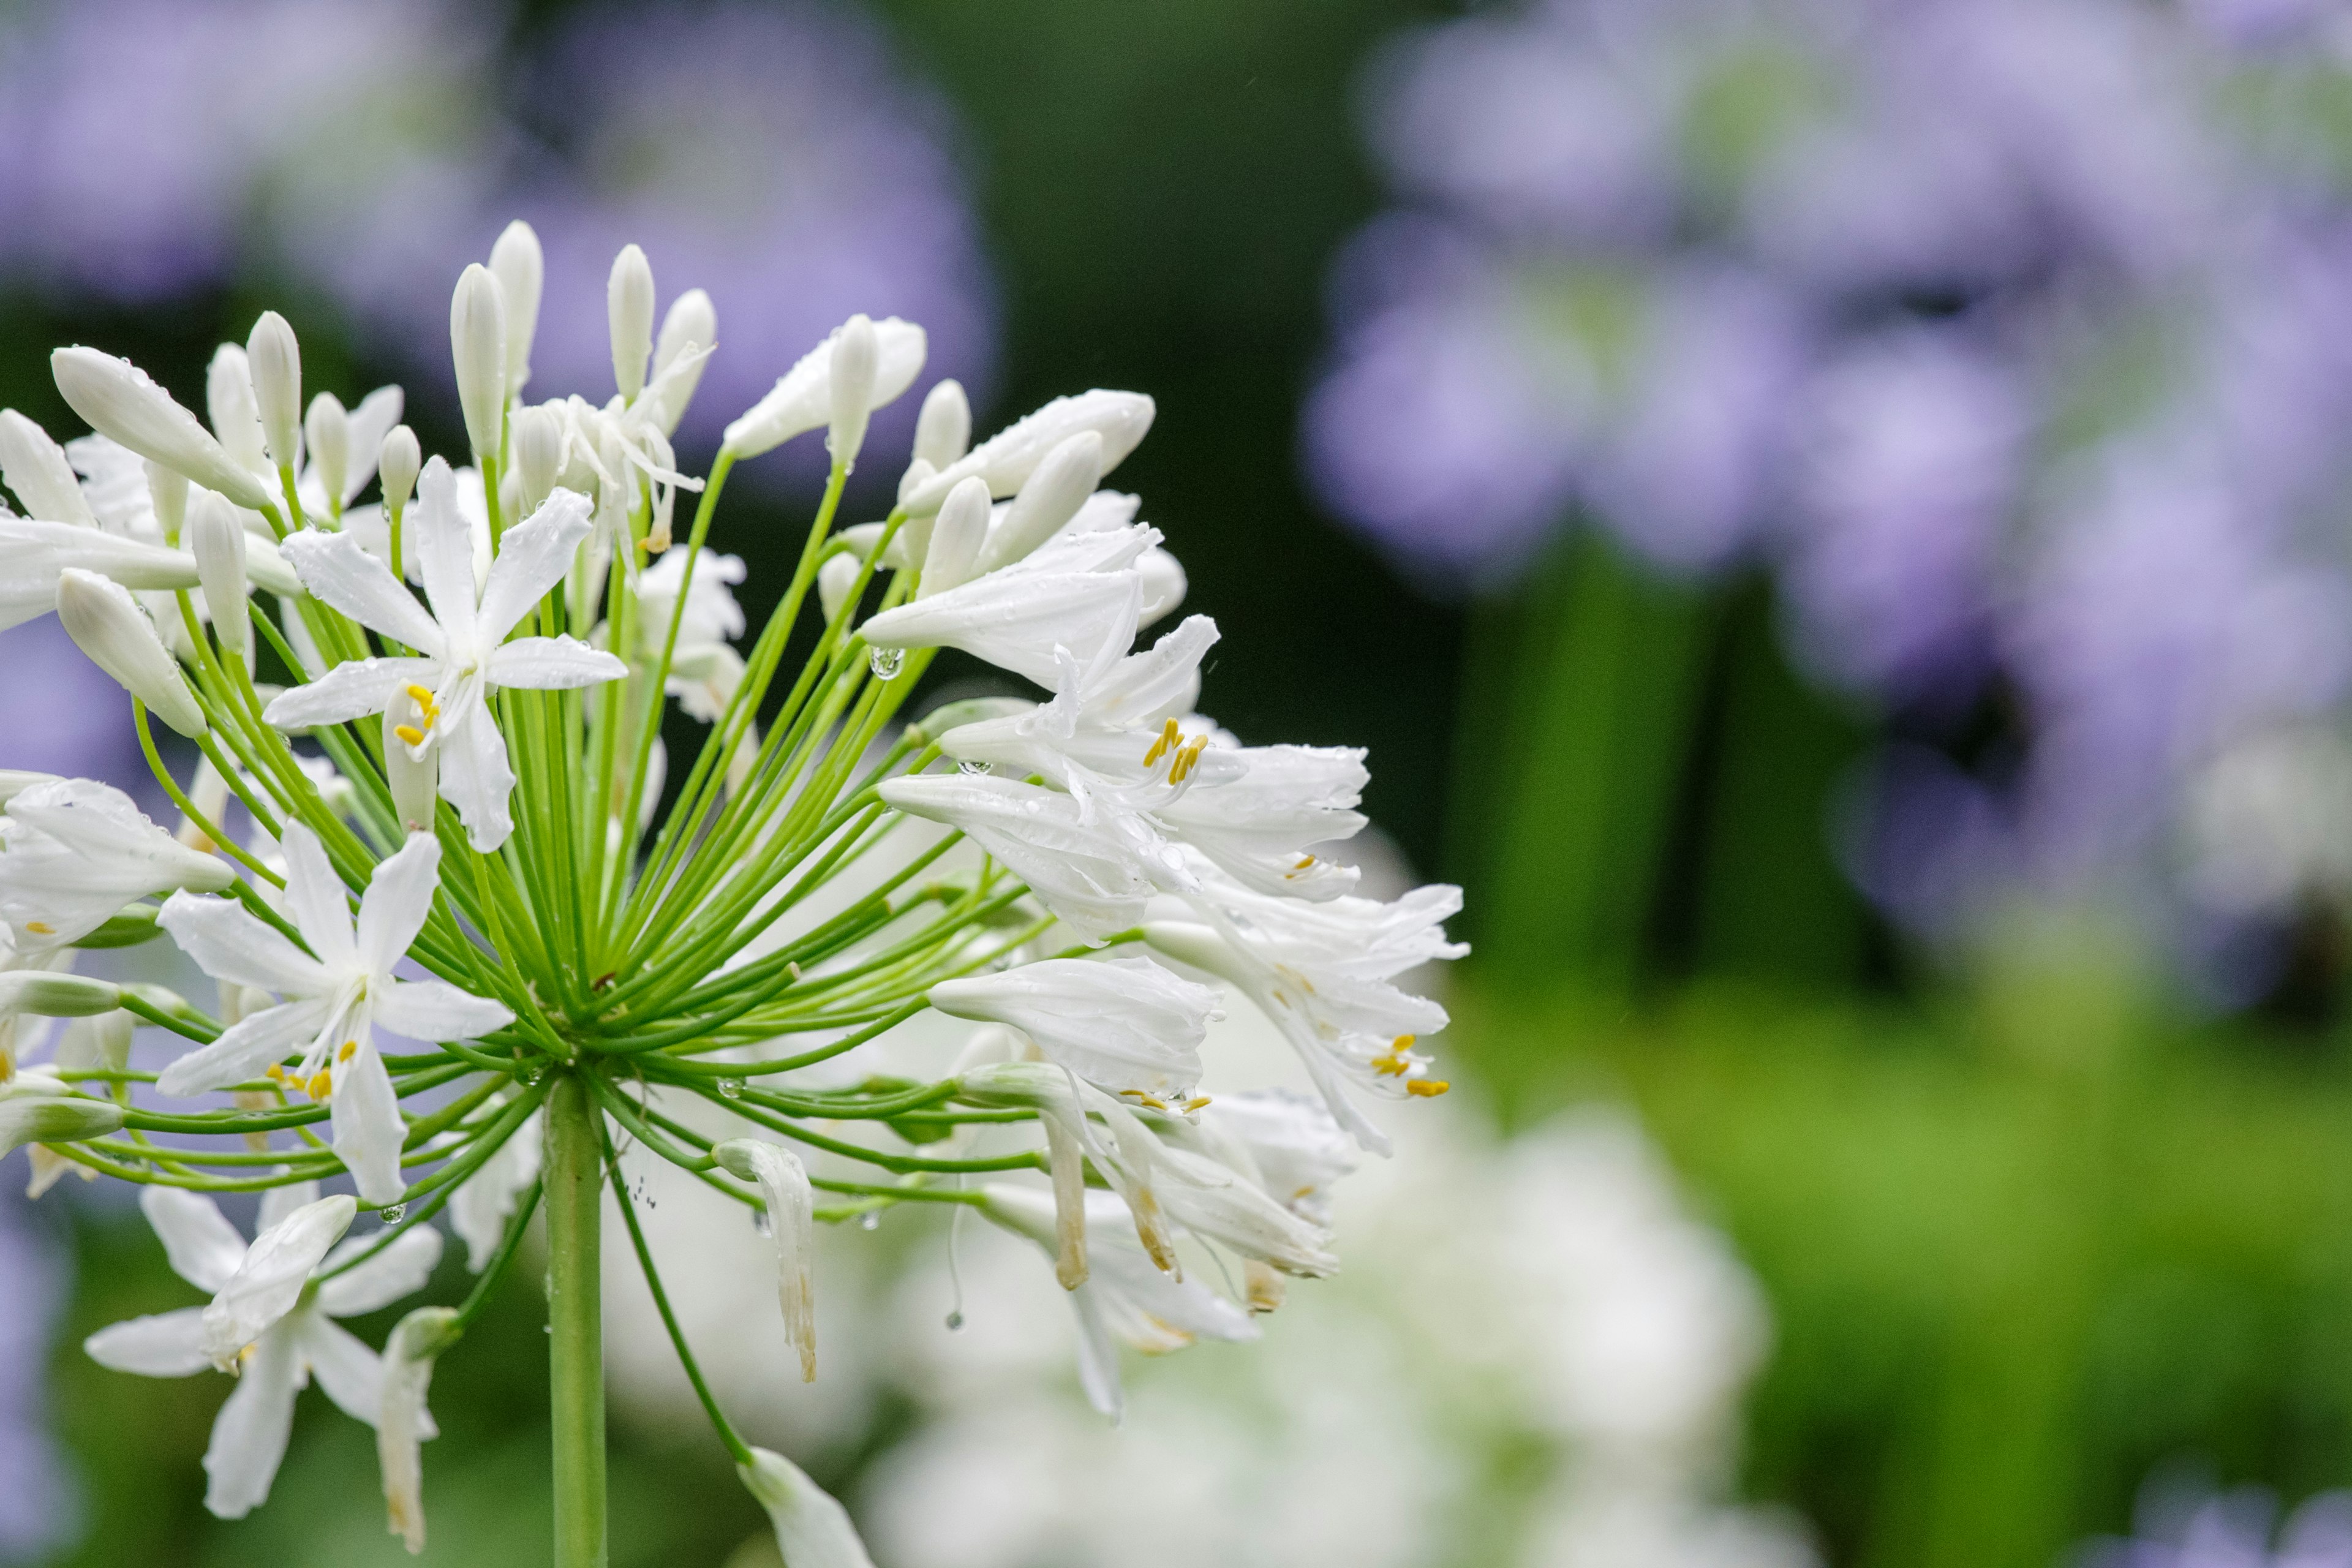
(349, 691)
(168, 1344)
(230, 944)
(401, 1270)
(338, 572)
(203, 1249)
(532, 558)
(249, 1434)
(398, 899)
(317, 901)
(476, 780)
(551, 663)
(278, 1203)
(435, 1010)
(270, 1282)
(811, 1530)
(445, 550)
(248, 1047)
(348, 1371)
(367, 1125)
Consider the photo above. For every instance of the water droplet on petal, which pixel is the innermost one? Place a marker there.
(732, 1088)
(885, 662)
(394, 1215)
(760, 1223)
(975, 770)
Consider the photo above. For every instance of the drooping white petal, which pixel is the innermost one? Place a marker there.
(167, 1344)
(349, 690)
(201, 1244)
(553, 664)
(1124, 1023)
(533, 556)
(250, 1432)
(435, 1010)
(230, 944)
(398, 899)
(347, 1370)
(404, 1423)
(339, 573)
(269, 1280)
(368, 1131)
(811, 1530)
(477, 778)
(402, 1269)
(784, 1188)
(248, 1046)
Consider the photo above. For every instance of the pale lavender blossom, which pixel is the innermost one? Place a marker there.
(38, 1507)
(2177, 1528)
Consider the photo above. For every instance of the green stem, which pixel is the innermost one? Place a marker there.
(574, 1188)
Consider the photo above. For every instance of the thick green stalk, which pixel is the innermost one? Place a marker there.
(573, 1187)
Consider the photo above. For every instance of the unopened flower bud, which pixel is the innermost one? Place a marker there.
(396, 466)
(236, 416)
(1048, 498)
(955, 538)
(538, 446)
(629, 311)
(116, 399)
(328, 430)
(102, 617)
(520, 269)
(856, 358)
(943, 429)
(216, 539)
(30, 1118)
(35, 467)
(477, 343)
(691, 320)
(168, 492)
(48, 994)
(834, 581)
(275, 362)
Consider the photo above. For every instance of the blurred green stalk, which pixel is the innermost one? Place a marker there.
(574, 1166)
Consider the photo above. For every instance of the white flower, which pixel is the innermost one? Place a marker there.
(73, 852)
(463, 653)
(813, 1531)
(482, 1204)
(1007, 459)
(792, 1226)
(704, 667)
(1322, 972)
(364, 430)
(116, 398)
(801, 399)
(35, 467)
(1090, 873)
(267, 1322)
(477, 345)
(335, 996)
(521, 266)
(1124, 1023)
(404, 1423)
(1294, 1146)
(274, 360)
(1125, 1299)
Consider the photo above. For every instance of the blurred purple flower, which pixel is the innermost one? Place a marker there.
(62, 714)
(38, 1507)
(2177, 1529)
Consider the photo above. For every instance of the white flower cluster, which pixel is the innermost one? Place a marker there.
(484, 857)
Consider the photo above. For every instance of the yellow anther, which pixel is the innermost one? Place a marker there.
(40, 928)
(275, 1073)
(321, 1085)
(1427, 1088)
(1401, 1043)
(423, 700)
(1141, 1097)
(244, 1356)
(1187, 758)
(350, 1049)
(410, 733)
(1170, 737)
(1195, 1103)
(1392, 1066)
(1303, 862)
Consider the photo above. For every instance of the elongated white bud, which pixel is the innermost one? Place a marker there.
(167, 490)
(236, 416)
(537, 441)
(520, 269)
(116, 398)
(397, 465)
(54, 1119)
(1048, 498)
(416, 781)
(801, 399)
(46, 994)
(216, 539)
(792, 1224)
(957, 537)
(629, 312)
(275, 360)
(834, 580)
(327, 429)
(943, 429)
(855, 360)
(811, 1530)
(692, 320)
(35, 467)
(477, 343)
(1007, 459)
(108, 623)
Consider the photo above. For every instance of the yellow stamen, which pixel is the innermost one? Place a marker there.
(1427, 1088)
(410, 733)
(350, 1049)
(275, 1073)
(1141, 1097)
(1170, 737)
(423, 698)
(1392, 1066)
(1303, 862)
(1195, 1103)
(42, 928)
(321, 1085)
